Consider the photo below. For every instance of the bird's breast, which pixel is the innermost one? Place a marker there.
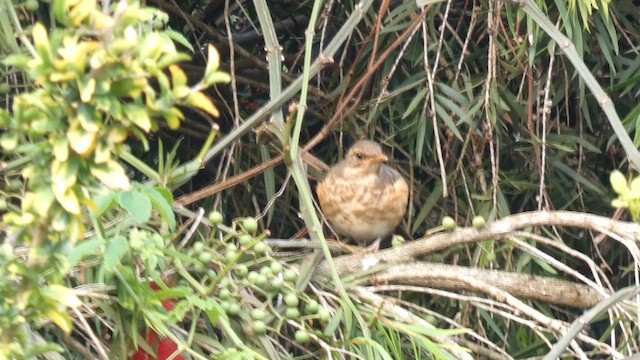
(365, 207)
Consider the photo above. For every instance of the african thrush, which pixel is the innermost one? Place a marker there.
(362, 197)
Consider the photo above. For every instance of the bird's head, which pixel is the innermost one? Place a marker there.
(365, 157)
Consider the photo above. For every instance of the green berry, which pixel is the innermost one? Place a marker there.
(323, 314)
(252, 276)
(266, 271)
(431, 319)
(276, 283)
(211, 273)
(290, 276)
(312, 307)
(302, 337)
(245, 239)
(250, 224)
(258, 314)
(234, 309)
(260, 248)
(397, 240)
(225, 282)
(292, 313)
(479, 222)
(291, 300)
(230, 256)
(225, 305)
(199, 269)
(215, 218)
(261, 280)
(259, 327)
(276, 267)
(197, 247)
(205, 257)
(448, 223)
(242, 270)
(31, 5)
(225, 294)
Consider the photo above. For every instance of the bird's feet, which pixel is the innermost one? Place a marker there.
(374, 247)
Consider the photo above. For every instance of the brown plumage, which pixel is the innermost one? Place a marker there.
(362, 197)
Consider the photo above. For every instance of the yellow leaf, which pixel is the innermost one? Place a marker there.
(75, 230)
(112, 175)
(61, 149)
(81, 141)
(63, 295)
(67, 199)
(138, 116)
(202, 102)
(117, 135)
(39, 202)
(619, 183)
(102, 153)
(87, 89)
(63, 175)
(213, 59)
(173, 118)
(61, 319)
(177, 76)
(41, 41)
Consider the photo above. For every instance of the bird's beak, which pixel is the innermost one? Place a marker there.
(379, 159)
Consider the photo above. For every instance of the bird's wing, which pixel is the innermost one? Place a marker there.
(388, 175)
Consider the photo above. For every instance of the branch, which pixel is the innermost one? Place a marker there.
(402, 265)
(450, 277)
(410, 252)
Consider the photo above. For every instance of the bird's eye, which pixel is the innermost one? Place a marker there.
(359, 156)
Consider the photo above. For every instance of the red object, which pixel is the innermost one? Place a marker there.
(164, 347)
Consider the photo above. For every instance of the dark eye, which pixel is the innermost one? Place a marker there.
(359, 156)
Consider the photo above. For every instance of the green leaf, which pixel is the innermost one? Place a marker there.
(138, 205)
(417, 100)
(179, 38)
(102, 202)
(83, 249)
(17, 60)
(114, 251)
(545, 266)
(162, 201)
(60, 11)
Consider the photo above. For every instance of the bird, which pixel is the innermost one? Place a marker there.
(362, 197)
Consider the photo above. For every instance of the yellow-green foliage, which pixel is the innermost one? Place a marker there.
(92, 77)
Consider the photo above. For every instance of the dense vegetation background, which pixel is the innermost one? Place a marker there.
(482, 111)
